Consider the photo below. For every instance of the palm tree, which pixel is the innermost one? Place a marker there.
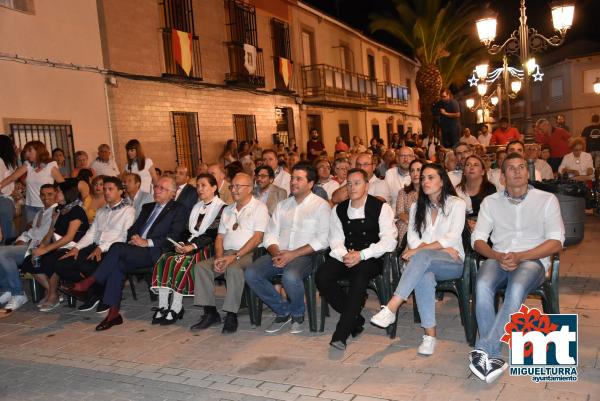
(440, 35)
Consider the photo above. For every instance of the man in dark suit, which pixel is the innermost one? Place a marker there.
(146, 241)
(186, 194)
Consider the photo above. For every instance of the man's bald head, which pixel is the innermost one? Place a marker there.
(241, 188)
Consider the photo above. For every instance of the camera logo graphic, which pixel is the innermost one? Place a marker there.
(543, 346)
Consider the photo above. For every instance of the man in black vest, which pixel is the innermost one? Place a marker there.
(361, 230)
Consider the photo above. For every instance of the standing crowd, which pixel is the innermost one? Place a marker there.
(89, 228)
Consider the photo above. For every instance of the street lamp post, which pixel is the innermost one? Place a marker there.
(525, 41)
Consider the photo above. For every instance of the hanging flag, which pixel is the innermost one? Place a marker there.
(250, 58)
(285, 70)
(181, 43)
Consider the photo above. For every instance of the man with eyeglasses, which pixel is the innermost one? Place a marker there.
(526, 229)
(377, 188)
(241, 230)
(398, 177)
(264, 190)
(361, 230)
(146, 241)
(299, 227)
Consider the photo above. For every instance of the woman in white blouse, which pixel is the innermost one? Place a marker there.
(577, 164)
(434, 251)
(40, 169)
(141, 165)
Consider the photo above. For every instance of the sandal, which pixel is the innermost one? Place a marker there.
(48, 307)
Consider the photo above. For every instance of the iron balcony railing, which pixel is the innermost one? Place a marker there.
(389, 93)
(326, 83)
(243, 70)
(172, 68)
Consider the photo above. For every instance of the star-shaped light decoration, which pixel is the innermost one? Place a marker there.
(537, 76)
(473, 80)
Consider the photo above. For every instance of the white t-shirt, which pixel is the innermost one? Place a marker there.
(109, 169)
(330, 187)
(35, 180)
(485, 139)
(470, 140)
(144, 174)
(5, 172)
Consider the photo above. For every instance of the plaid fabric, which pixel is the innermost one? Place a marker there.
(176, 271)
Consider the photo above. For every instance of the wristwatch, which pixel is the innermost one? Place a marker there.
(237, 256)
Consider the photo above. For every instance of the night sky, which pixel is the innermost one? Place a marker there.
(586, 23)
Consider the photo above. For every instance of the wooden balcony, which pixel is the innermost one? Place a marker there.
(326, 84)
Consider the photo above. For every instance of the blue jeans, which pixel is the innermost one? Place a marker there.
(30, 212)
(519, 282)
(258, 277)
(10, 257)
(421, 274)
(7, 216)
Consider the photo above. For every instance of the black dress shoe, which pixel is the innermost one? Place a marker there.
(173, 317)
(107, 324)
(207, 320)
(159, 315)
(231, 324)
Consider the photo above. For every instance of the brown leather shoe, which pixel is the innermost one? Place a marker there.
(107, 324)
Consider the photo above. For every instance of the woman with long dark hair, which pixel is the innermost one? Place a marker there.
(8, 165)
(434, 251)
(473, 187)
(174, 271)
(70, 224)
(229, 154)
(407, 196)
(141, 165)
(40, 169)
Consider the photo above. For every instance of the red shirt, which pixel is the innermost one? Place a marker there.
(314, 145)
(341, 146)
(500, 137)
(558, 140)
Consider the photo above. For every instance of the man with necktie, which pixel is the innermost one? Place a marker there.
(146, 241)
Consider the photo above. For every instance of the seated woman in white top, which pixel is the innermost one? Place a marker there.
(138, 163)
(434, 252)
(577, 164)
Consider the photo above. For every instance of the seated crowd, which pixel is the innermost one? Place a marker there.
(88, 229)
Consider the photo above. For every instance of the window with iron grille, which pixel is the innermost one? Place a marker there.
(177, 18)
(19, 5)
(246, 64)
(282, 54)
(52, 135)
(188, 149)
(244, 126)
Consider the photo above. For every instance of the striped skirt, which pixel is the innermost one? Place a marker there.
(176, 271)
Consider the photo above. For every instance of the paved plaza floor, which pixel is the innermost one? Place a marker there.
(59, 356)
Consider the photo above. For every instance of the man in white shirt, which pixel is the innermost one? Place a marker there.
(186, 194)
(532, 152)
(378, 188)
(110, 226)
(104, 164)
(325, 179)
(298, 228)
(241, 230)
(361, 230)
(467, 138)
(578, 165)
(494, 174)
(398, 177)
(13, 255)
(526, 229)
(282, 177)
(134, 196)
(485, 136)
(519, 148)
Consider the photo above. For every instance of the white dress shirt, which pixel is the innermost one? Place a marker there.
(109, 226)
(379, 188)
(455, 177)
(447, 228)
(179, 189)
(469, 140)
(251, 218)
(387, 232)
(581, 163)
(485, 139)
(544, 168)
(282, 179)
(294, 225)
(330, 186)
(39, 226)
(105, 168)
(516, 228)
(396, 181)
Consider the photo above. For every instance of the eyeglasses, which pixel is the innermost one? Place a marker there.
(237, 187)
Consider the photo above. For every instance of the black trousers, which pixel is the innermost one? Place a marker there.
(76, 269)
(47, 263)
(348, 304)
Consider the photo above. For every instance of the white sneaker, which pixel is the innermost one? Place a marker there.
(16, 302)
(383, 318)
(4, 298)
(427, 345)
